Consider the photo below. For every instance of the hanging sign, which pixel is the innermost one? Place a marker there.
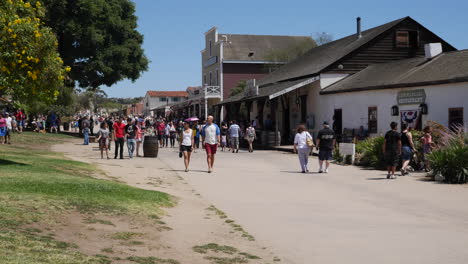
(411, 97)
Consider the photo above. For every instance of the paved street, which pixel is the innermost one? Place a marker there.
(347, 216)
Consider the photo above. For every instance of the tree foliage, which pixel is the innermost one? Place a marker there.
(322, 38)
(98, 38)
(289, 54)
(240, 87)
(30, 67)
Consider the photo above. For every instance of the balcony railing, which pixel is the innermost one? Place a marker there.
(212, 91)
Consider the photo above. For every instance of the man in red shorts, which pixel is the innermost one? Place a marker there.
(211, 137)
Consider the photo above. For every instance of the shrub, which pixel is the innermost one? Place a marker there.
(337, 155)
(369, 153)
(450, 157)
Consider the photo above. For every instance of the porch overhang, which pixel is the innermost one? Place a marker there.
(294, 86)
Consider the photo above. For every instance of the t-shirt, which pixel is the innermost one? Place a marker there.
(131, 131)
(103, 133)
(2, 122)
(9, 122)
(392, 137)
(211, 133)
(85, 124)
(326, 137)
(301, 139)
(234, 130)
(110, 124)
(224, 131)
(119, 129)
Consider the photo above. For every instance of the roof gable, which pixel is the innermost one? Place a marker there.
(320, 58)
(446, 68)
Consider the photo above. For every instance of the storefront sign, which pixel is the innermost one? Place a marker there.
(411, 97)
(211, 61)
(251, 89)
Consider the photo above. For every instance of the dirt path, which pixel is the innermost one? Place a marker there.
(192, 222)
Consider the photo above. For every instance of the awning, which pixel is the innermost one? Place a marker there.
(272, 91)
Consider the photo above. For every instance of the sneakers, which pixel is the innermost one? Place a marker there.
(388, 176)
(320, 171)
(326, 170)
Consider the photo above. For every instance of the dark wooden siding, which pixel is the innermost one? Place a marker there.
(383, 49)
(233, 73)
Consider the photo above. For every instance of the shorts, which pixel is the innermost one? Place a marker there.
(250, 139)
(406, 153)
(211, 148)
(391, 158)
(160, 137)
(223, 140)
(3, 131)
(235, 141)
(184, 148)
(325, 155)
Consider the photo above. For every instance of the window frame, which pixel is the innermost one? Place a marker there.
(163, 99)
(372, 125)
(450, 117)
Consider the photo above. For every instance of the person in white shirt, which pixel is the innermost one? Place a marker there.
(187, 144)
(302, 148)
(211, 138)
(9, 128)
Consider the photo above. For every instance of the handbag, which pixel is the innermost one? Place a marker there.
(310, 142)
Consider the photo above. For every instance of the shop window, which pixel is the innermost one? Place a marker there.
(372, 120)
(455, 117)
(162, 99)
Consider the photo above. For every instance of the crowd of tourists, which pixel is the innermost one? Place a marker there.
(186, 135)
(11, 123)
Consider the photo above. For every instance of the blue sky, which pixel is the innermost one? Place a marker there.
(174, 29)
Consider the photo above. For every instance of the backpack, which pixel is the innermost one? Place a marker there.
(250, 132)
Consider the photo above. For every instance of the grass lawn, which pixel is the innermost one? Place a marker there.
(36, 184)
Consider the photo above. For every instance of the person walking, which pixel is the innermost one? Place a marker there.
(3, 129)
(427, 145)
(224, 131)
(392, 150)
(131, 134)
(103, 139)
(325, 144)
(407, 148)
(250, 136)
(9, 127)
(302, 144)
(234, 133)
(187, 142)
(167, 134)
(196, 134)
(119, 135)
(139, 137)
(20, 119)
(110, 125)
(172, 134)
(211, 138)
(180, 129)
(161, 128)
(85, 125)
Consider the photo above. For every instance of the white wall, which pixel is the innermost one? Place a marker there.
(439, 98)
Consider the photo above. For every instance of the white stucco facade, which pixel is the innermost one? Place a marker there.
(354, 105)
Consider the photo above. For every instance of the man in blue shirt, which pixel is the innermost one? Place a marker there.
(234, 133)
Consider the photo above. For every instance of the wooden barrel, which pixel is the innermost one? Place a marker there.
(150, 146)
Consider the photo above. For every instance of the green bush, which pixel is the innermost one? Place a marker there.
(450, 157)
(337, 155)
(369, 153)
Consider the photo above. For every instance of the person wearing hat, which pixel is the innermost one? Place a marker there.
(325, 144)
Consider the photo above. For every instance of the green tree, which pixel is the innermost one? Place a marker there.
(240, 87)
(98, 39)
(322, 38)
(281, 56)
(31, 70)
